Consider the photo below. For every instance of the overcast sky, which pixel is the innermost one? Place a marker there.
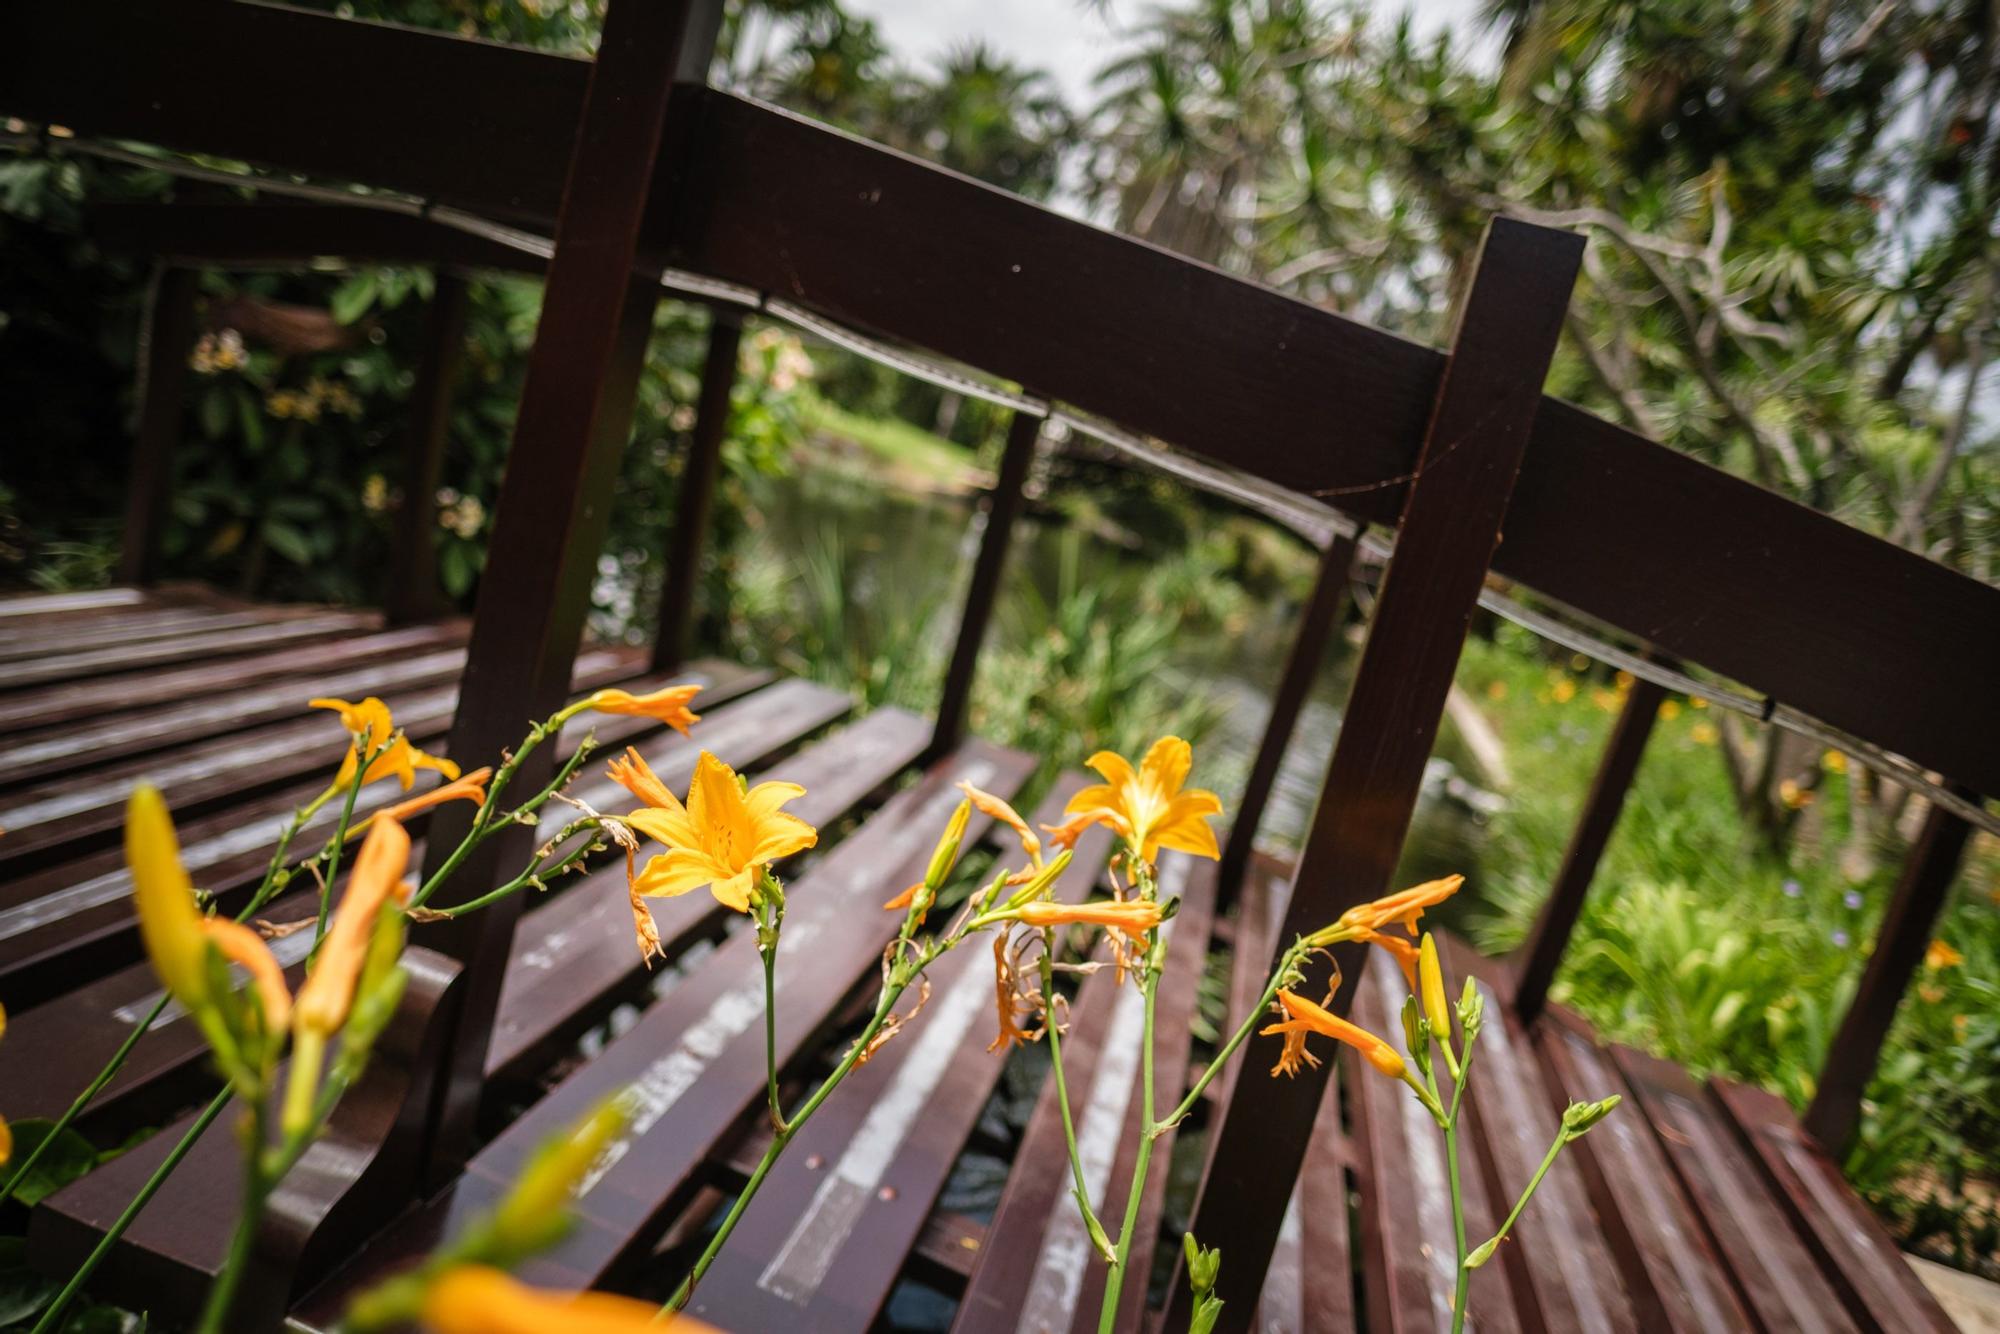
(1068, 38)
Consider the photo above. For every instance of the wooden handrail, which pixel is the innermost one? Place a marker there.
(1698, 563)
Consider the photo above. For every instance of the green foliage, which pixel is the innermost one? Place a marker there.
(1697, 944)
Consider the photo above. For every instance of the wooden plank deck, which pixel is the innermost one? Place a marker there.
(1700, 1207)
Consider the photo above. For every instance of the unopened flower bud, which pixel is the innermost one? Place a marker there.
(1579, 1117)
(946, 855)
(1430, 977)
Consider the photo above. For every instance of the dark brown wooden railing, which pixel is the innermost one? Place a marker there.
(1462, 453)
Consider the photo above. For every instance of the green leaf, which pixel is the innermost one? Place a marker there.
(287, 541)
(215, 406)
(66, 1159)
(353, 297)
(23, 1291)
(458, 567)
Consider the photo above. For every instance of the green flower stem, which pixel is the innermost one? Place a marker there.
(536, 874)
(55, 1309)
(334, 844)
(884, 1005)
(1081, 1191)
(1463, 1282)
(1114, 1282)
(485, 825)
(1548, 1161)
(1293, 957)
(243, 1242)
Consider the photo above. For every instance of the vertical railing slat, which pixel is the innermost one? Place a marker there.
(696, 501)
(1549, 937)
(1907, 924)
(549, 526)
(1488, 395)
(1003, 506)
(411, 591)
(169, 338)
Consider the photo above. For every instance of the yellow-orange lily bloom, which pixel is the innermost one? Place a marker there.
(631, 772)
(1066, 834)
(1128, 915)
(475, 1299)
(176, 933)
(1938, 954)
(669, 706)
(324, 1000)
(723, 838)
(371, 718)
(471, 787)
(1000, 810)
(1303, 1017)
(1405, 905)
(1148, 806)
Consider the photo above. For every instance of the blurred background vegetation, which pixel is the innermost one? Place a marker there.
(1792, 275)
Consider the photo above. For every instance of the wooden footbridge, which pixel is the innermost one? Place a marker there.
(1704, 1206)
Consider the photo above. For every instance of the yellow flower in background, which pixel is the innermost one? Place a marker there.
(476, 1299)
(1941, 955)
(1670, 709)
(1794, 797)
(328, 993)
(371, 719)
(1303, 1017)
(723, 838)
(1147, 806)
(1496, 690)
(1702, 734)
(1563, 691)
(669, 705)
(1833, 762)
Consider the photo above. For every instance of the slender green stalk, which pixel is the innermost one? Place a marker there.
(534, 875)
(55, 1309)
(1457, 1226)
(1228, 1049)
(1114, 1282)
(1082, 1191)
(486, 824)
(891, 993)
(1548, 1161)
(770, 958)
(333, 853)
(243, 1242)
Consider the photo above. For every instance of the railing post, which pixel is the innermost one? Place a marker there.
(1488, 396)
(169, 337)
(1549, 937)
(1003, 507)
(1322, 612)
(412, 592)
(1907, 923)
(697, 491)
(574, 419)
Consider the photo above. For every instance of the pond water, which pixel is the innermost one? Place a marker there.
(896, 563)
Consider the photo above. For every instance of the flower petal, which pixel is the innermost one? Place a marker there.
(781, 835)
(1166, 765)
(674, 873)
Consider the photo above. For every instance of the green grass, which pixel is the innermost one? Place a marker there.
(908, 452)
(1728, 959)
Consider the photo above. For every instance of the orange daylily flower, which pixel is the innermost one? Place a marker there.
(401, 761)
(476, 1299)
(669, 706)
(1402, 951)
(471, 787)
(1128, 915)
(1364, 920)
(324, 1000)
(1147, 806)
(1941, 955)
(631, 772)
(1303, 1017)
(1066, 834)
(723, 838)
(902, 901)
(1000, 810)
